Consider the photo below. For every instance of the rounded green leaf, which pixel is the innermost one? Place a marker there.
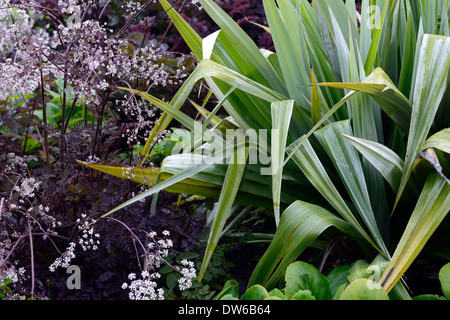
(277, 293)
(303, 276)
(172, 280)
(228, 297)
(338, 277)
(444, 277)
(231, 287)
(256, 292)
(364, 289)
(303, 295)
(358, 270)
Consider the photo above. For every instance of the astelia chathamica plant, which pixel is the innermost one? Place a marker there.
(354, 99)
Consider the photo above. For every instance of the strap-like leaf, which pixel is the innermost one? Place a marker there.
(386, 161)
(440, 140)
(300, 225)
(432, 207)
(230, 188)
(307, 160)
(430, 85)
(281, 118)
(348, 164)
(380, 87)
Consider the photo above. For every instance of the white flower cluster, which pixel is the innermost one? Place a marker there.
(96, 59)
(98, 55)
(65, 259)
(196, 3)
(158, 250)
(27, 187)
(89, 240)
(21, 49)
(23, 196)
(15, 162)
(140, 110)
(68, 6)
(145, 288)
(92, 159)
(9, 274)
(189, 272)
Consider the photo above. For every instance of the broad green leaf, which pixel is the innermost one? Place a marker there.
(348, 164)
(230, 287)
(307, 160)
(244, 43)
(358, 270)
(303, 295)
(303, 276)
(387, 162)
(316, 112)
(281, 118)
(277, 293)
(440, 140)
(381, 88)
(407, 66)
(338, 277)
(431, 208)
(374, 47)
(149, 176)
(230, 188)
(444, 278)
(229, 297)
(286, 29)
(192, 39)
(255, 293)
(300, 224)
(430, 85)
(363, 289)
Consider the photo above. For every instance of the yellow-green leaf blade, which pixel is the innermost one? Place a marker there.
(300, 225)
(381, 88)
(230, 188)
(348, 164)
(281, 118)
(430, 85)
(432, 207)
(440, 140)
